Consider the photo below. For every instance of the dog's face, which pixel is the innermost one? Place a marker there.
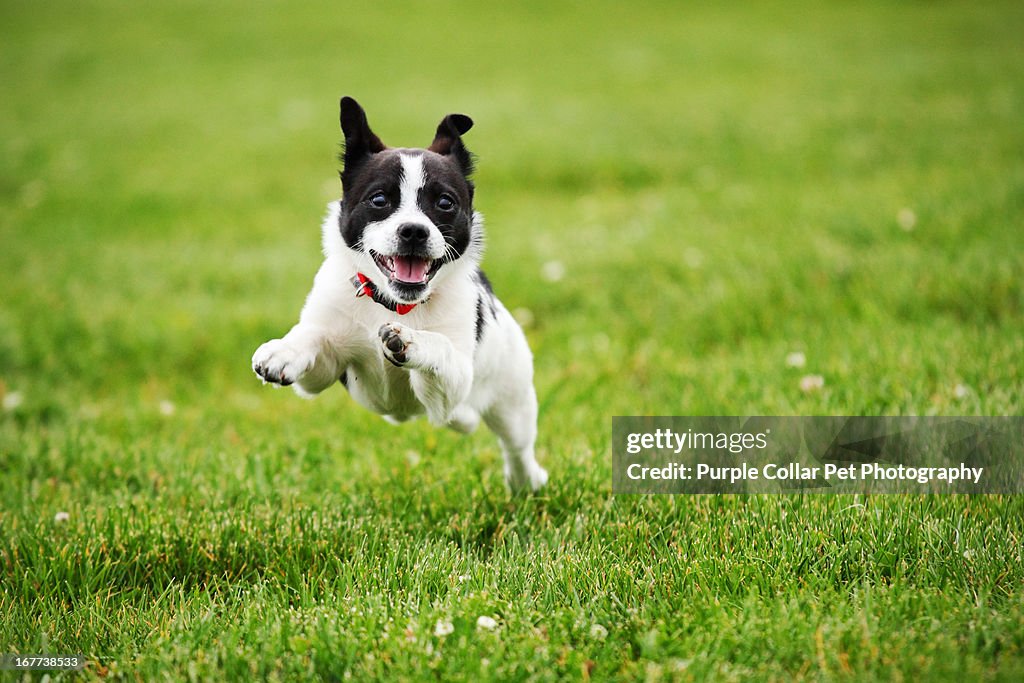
(406, 213)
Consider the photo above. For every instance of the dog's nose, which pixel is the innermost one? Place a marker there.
(413, 234)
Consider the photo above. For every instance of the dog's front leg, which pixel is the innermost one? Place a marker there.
(441, 375)
(304, 357)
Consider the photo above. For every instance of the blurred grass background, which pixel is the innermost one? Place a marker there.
(678, 197)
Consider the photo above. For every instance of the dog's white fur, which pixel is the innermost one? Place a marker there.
(446, 374)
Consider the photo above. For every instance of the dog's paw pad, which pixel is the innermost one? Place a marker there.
(279, 363)
(395, 341)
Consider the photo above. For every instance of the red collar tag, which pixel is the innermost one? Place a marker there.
(365, 287)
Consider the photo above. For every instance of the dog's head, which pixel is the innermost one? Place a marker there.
(407, 214)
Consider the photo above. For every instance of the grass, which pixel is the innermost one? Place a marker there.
(722, 186)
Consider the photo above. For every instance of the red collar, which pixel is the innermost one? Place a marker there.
(365, 287)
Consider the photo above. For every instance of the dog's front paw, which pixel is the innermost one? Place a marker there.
(281, 363)
(395, 341)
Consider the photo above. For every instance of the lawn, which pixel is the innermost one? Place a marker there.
(679, 200)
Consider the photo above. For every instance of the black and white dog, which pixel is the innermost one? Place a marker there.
(400, 311)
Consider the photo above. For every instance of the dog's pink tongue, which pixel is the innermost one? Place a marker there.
(411, 269)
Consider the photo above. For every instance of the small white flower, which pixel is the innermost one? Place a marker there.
(486, 622)
(961, 391)
(12, 400)
(463, 578)
(598, 632)
(680, 664)
(906, 218)
(443, 628)
(797, 359)
(167, 408)
(810, 383)
(61, 517)
(553, 271)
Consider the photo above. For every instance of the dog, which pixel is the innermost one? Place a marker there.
(400, 312)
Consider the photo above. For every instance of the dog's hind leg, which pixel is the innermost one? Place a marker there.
(441, 376)
(515, 424)
(464, 419)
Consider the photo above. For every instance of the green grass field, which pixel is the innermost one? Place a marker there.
(717, 186)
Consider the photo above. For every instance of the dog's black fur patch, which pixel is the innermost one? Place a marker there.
(485, 304)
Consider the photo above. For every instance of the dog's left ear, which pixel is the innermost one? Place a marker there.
(360, 141)
(448, 140)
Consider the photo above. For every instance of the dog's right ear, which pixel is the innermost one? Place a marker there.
(448, 141)
(359, 139)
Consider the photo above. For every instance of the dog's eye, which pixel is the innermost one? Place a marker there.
(445, 203)
(378, 200)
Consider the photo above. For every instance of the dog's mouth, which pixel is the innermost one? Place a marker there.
(406, 269)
